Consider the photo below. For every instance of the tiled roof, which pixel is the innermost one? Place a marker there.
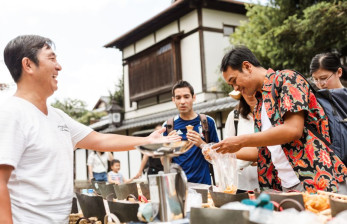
(156, 118)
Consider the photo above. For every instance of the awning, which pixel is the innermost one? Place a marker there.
(210, 106)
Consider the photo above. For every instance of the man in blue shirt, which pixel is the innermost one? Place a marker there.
(192, 162)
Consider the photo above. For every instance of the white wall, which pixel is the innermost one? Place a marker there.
(216, 19)
(191, 65)
(81, 164)
(189, 21)
(128, 51)
(148, 110)
(166, 31)
(135, 162)
(215, 45)
(127, 105)
(144, 43)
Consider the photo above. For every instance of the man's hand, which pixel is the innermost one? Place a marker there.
(195, 138)
(228, 145)
(157, 137)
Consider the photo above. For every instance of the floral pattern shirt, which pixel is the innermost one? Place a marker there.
(315, 164)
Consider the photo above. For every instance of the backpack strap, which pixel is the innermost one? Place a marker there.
(169, 125)
(308, 126)
(236, 119)
(204, 125)
(206, 134)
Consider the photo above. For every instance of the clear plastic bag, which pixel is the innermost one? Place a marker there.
(225, 167)
(194, 199)
(206, 150)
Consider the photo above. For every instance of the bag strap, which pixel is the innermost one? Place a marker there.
(236, 120)
(308, 126)
(206, 133)
(204, 125)
(101, 160)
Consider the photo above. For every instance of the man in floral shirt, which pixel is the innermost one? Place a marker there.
(290, 156)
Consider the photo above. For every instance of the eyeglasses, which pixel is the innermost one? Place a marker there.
(322, 81)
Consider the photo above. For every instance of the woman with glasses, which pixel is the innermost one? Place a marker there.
(327, 71)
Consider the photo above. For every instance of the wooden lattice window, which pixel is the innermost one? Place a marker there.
(154, 71)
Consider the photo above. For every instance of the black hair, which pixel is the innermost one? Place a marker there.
(328, 61)
(235, 57)
(182, 84)
(20, 47)
(114, 161)
(244, 108)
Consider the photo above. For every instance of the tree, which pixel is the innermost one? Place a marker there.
(224, 87)
(74, 108)
(118, 94)
(77, 110)
(287, 34)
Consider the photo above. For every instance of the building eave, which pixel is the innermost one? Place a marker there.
(210, 106)
(172, 13)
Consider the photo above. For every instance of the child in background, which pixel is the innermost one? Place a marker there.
(114, 176)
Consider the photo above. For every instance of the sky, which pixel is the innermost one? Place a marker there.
(79, 29)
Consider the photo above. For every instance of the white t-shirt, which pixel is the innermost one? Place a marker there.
(99, 164)
(247, 175)
(279, 159)
(116, 176)
(40, 148)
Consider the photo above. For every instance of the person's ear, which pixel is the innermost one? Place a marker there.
(247, 66)
(173, 99)
(194, 98)
(339, 72)
(27, 65)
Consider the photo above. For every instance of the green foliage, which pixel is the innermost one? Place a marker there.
(118, 94)
(287, 34)
(224, 87)
(91, 116)
(76, 109)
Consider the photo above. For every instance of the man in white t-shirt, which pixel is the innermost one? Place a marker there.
(37, 140)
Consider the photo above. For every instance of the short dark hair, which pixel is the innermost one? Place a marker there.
(236, 56)
(327, 61)
(114, 161)
(20, 47)
(182, 84)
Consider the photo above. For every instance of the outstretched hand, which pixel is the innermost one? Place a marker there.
(157, 137)
(228, 145)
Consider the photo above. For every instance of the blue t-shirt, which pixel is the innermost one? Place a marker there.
(193, 162)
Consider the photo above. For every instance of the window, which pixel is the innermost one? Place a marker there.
(162, 98)
(154, 71)
(147, 102)
(166, 97)
(228, 30)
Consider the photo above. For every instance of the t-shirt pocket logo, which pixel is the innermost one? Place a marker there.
(63, 128)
